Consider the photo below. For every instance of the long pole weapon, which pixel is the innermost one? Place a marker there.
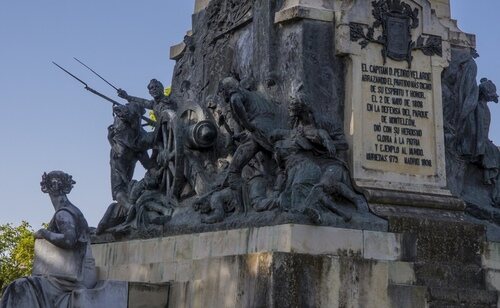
(112, 101)
(96, 73)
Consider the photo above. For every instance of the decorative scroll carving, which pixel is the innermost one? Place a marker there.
(396, 19)
(228, 15)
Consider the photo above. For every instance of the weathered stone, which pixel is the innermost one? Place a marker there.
(324, 240)
(441, 240)
(142, 295)
(401, 273)
(407, 296)
(382, 246)
(491, 256)
(449, 275)
(493, 280)
(466, 297)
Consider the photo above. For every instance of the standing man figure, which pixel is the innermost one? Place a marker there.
(257, 118)
(163, 107)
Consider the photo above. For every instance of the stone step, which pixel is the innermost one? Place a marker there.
(447, 297)
(450, 275)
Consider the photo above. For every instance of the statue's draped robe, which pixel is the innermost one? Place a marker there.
(465, 118)
(49, 291)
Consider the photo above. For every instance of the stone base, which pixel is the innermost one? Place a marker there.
(421, 263)
(121, 294)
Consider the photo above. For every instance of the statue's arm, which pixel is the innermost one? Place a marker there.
(238, 107)
(66, 224)
(142, 102)
(327, 142)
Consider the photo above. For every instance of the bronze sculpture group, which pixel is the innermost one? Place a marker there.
(227, 157)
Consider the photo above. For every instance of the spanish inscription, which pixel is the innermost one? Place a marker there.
(398, 119)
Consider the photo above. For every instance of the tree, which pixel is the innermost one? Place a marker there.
(16, 252)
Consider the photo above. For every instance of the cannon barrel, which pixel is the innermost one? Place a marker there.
(202, 135)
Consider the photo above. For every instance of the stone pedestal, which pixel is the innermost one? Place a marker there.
(305, 266)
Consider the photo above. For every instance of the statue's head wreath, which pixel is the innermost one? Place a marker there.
(57, 183)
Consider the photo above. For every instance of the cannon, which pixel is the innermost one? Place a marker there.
(189, 130)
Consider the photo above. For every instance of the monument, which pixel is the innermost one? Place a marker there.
(311, 154)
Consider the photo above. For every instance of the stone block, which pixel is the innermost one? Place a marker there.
(474, 298)
(304, 12)
(235, 242)
(407, 296)
(493, 280)
(177, 51)
(449, 275)
(98, 253)
(166, 250)
(218, 242)
(150, 251)
(183, 247)
(141, 295)
(184, 271)
(131, 272)
(382, 245)
(401, 273)
(200, 5)
(51, 260)
(115, 253)
(202, 246)
(442, 240)
(205, 268)
(491, 256)
(179, 294)
(167, 271)
(324, 240)
(105, 295)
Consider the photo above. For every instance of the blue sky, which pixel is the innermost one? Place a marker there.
(50, 122)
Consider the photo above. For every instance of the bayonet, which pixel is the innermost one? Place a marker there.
(89, 88)
(83, 82)
(96, 73)
(112, 101)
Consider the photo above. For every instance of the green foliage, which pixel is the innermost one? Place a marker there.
(16, 252)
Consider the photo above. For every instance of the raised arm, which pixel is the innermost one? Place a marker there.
(144, 103)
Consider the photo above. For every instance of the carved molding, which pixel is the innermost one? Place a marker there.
(396, 20)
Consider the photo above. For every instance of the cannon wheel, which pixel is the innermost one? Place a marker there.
(174, 132)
